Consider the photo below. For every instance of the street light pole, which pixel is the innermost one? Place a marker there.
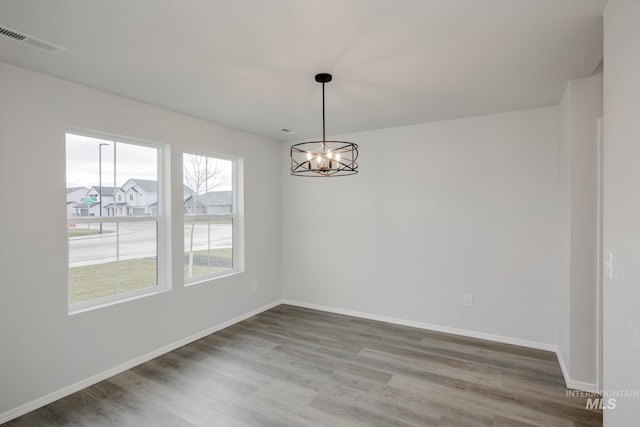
(100, 180)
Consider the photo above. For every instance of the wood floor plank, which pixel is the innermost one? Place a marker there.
(292, 366)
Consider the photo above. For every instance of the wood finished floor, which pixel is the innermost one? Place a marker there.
(291, 366)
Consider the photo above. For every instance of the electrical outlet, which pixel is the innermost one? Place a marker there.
(254, 285)
(468, 301)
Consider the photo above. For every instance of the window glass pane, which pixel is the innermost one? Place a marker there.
(207, 246)
(122, 258)
(109, 179)
(137, 250)
(209, 213)
(208, 184)
(92, 261)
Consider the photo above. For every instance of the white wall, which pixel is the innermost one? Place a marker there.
(622, 208)
(586, 98)
(439, 210)
(564, 246)
(43, 349)
(580, 107)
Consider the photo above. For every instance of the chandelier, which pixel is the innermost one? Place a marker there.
(324, 158)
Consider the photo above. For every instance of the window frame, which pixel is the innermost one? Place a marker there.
(162, 219)
(236, 217)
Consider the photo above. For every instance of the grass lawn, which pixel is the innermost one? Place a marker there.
(215, 253)
(201, 270)
(100, 280)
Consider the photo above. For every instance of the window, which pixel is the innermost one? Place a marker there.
(115, 251)
(211, 223)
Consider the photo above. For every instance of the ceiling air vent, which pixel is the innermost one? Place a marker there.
(33, 41)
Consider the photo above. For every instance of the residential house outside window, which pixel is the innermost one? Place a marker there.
(117, 249)
(211, 222)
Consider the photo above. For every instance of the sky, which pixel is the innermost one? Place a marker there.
(132, 161)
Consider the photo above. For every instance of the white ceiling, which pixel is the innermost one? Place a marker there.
(249, 64)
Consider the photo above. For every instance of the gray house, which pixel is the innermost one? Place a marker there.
(135, 197)
(74, 198)
(213, 202)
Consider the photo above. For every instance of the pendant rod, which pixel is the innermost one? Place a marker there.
(323, 132)
(323, 78)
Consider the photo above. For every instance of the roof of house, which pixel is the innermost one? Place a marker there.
(106, 190)
(151, 185)
(72, 189)
(214, 198)
(146, 185)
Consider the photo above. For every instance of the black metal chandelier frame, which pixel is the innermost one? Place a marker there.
(324, 158)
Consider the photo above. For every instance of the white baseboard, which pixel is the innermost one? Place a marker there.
(429, 326)
(45, 400)
(575, 385)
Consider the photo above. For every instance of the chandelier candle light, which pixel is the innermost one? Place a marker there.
(324, 158)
